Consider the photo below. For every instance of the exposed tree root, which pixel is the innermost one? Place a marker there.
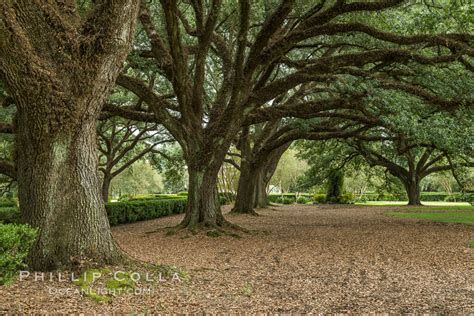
(222, 228)
(248, 212)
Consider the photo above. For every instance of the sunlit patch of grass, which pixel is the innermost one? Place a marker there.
(443, 208)
(466, 218)
(426, 205)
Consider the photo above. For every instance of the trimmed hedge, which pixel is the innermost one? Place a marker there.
(273, 198)
(120, 212)
(284, 200)
(348, 198)
(425, 196)
(224, 197)
(15, 243)
(319, 198)
(303, 200)
(380, 197)
(133, 211)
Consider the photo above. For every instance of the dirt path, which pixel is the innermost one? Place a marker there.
(303, 259)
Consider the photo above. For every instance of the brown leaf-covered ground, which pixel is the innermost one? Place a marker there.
(297, 259)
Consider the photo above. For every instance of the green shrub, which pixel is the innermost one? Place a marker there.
(15, 242)
(8, 202)
(158, 198)
(302, 200)
(335, 185)
(451, 198)
(139, 210)
(347, 198)
(438, 196)
(182, 193)
(273, 198)
(226, 197)
(122, 212)
(344, 198)
(124, 197)
(467, 197)
(332, 200)
(9, 215)
(385, 196)
(284, 200)
(319, 198)
(163, 196)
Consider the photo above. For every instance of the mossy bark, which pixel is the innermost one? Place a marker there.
(203, 210)
(255, 174)
(59, 193)
(413, 192)
(246, 190)
(105, 189)
(59, 68)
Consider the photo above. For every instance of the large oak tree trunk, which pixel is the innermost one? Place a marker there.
(413, 192)
(203, 207)
(59, 68)
(255, 174)
(204, 160)
(246, 189)
(59, 192)
(261, 183)
(266, 174)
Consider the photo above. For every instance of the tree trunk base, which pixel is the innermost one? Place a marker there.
(221, 224)
(249, 211)
(221, 228)
(113, 257)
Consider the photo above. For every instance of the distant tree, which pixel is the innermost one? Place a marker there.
(229, 177)
(138, 178)
(172, 168)
(288, 170)
(409, 151)
(122, 143)
(426, 144)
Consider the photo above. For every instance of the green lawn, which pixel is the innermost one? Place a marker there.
(442, 208)
(398, 203)
(462, 217)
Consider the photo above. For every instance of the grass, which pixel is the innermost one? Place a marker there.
(398, 203)
(443, 208)
(471, 243)
(466, 218)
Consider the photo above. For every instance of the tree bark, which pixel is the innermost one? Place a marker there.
(262, 179)
(413, 192)
(59, 193)
(106, 187)
(253, 181)
(266, 174)
(246, 189)
(203, 207)
(59, 68)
